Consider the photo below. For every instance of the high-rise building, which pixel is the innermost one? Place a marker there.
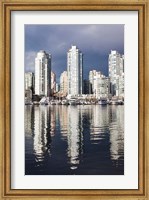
(53, 83)
(57, 87)
(92, 75)
(99, 84)
(75, 71)
(29, 81)
(28, 94)
(41, 138)
(43, 73)
(121, 85)
(116, 73)
(64, 83)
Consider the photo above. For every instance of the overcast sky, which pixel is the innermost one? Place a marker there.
(95, 42)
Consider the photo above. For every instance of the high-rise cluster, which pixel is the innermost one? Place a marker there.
(71, 81)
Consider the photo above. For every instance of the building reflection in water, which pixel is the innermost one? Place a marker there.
(63, 118)
(99, 123)
(74, 135)
(42, 137)
(28, 121)
(52, 119)
(116, 127)
(74, 131)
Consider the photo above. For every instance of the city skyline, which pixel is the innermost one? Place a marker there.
(74, 96)
(98, 84)
(95, 41)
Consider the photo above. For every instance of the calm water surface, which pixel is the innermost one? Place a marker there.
(79, 140)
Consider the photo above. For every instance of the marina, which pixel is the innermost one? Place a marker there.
(74, 101)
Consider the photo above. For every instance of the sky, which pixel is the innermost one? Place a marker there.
(94, 40)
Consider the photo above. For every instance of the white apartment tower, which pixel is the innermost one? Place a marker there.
(99, 84)
(92, 75)
(116, 74)
(43, 73)
(75, 71)
(53, 83)
(64, 83)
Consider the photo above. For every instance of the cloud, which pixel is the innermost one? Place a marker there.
(95, 42)
(30, 61)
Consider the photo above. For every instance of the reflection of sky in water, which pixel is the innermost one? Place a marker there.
(74, 139)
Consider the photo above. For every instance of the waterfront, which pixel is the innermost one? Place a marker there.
(79, 140)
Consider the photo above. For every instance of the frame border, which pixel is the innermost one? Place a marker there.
(6, 6)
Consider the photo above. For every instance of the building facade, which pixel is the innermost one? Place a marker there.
(28, 94)
(92, 75)
(99, 84)
(57, 87)
(29, 81)
(53, 83)
(121, 85)
(75, 71)
(43, 74)
(64, 83)
(116, 74)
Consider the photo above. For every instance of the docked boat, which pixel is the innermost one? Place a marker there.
(102, 102)
(53, 102)
(44, 101)
(87, 103)
(81, 102)
(120, 102)
(114, 101)
(72, 101)
(36, 103)
(58, 102)
(65, 102)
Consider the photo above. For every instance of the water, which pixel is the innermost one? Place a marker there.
(74, 140)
